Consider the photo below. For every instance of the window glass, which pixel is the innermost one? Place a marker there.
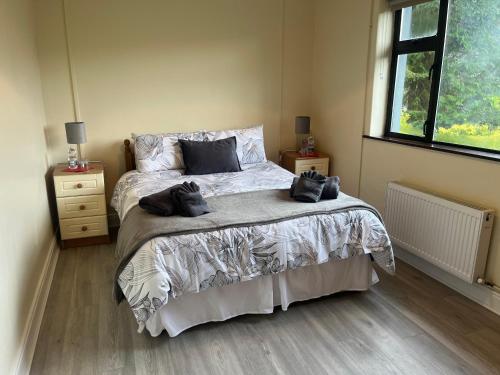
(469, 98)
(411, 93)
(420, 20)
(463, 107)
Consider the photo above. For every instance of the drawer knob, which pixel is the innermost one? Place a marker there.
(84, 228)
(313, 168)
(82, 207)
(79, 185)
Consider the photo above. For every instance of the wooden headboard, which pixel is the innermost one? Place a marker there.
(129, 156)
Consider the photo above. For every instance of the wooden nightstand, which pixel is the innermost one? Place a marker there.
(81, 206)
(297, 164)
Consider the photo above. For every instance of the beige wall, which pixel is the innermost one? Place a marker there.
(339, 84)
(25, 229)
(186, 65)
(173, 66)
(463, 177)
(297, 66)
(349, 90)
(458, 176)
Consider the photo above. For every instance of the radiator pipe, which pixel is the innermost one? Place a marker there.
(489, 284)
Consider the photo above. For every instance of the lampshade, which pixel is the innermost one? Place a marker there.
(302, 125)
(75, 133)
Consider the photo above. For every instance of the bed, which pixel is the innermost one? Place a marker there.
(176, 280)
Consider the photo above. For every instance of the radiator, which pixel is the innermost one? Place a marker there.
(450, 234)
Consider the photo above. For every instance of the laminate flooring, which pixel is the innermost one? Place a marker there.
(406, 324)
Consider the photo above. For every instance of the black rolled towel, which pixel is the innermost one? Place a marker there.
(160, 203)
(331, 188)
(309, 174)
(309, 187)
(292, 188)
(188, 200)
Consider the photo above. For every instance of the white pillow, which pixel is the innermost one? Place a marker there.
(249, 143)
(159, 152)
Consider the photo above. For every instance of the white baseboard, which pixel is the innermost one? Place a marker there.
(481, 294)
(30, 334)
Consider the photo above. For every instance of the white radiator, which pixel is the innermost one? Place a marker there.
(450, 234)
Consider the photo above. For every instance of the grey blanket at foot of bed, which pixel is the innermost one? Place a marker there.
(229, 211)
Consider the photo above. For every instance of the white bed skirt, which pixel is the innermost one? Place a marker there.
(259, 296)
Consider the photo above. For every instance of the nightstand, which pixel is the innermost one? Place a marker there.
(297, 164)
(81, 206)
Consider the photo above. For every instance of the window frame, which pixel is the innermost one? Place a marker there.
(434, 44)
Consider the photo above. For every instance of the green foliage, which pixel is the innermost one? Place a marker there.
(470, 80)
(465, 130)
(495, 102)
(489, 140)
(417, 87)
(470, 76)
(476, 135)
(407, 128)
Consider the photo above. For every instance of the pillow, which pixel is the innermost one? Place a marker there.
(249, 143)
(210, 156)
(159, 152)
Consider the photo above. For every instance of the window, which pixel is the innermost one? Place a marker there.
(445, 74)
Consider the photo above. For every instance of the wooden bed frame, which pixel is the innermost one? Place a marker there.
(129, 156)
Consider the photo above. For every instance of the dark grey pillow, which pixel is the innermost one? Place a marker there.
(210, 157)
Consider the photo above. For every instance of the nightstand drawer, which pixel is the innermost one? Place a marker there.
(318, 165)
(84, 227)
(297, 163)
(85, 184)
(86, 205)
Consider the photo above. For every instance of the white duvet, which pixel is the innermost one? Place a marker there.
(170, 266)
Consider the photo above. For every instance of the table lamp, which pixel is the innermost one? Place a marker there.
(76, 135)
(302, 133)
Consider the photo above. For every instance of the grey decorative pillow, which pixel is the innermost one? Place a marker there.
(249, 143)
(210, 157)
(159, 152)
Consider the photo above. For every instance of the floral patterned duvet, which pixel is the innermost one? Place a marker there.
(170, 266)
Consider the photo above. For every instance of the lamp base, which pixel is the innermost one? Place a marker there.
(309, 154)
(305, 144)
(301, 139)
(78, 169)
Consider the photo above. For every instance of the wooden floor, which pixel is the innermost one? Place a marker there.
(407, 324)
